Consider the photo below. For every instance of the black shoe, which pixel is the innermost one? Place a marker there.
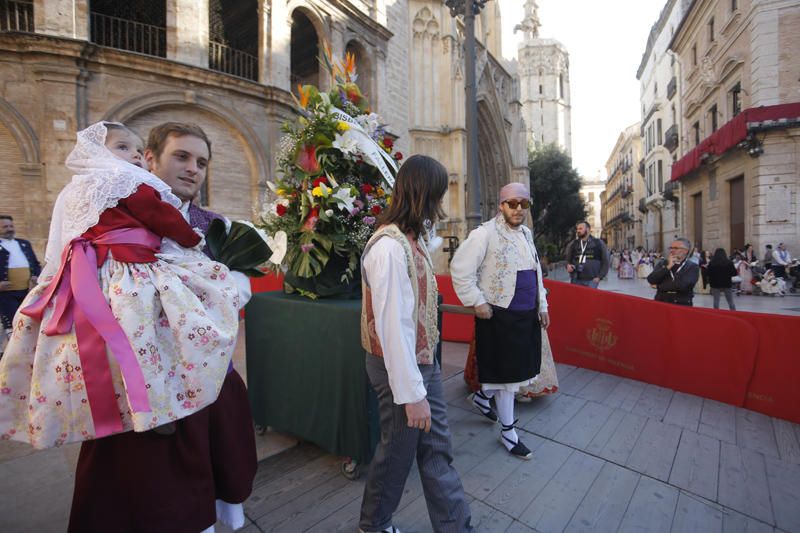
(518, 449)
(390, 529)
(488, 412)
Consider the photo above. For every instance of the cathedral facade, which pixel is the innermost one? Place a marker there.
(230, 67)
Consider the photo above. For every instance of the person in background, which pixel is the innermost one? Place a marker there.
(675, 278)
(587, 258)
(19, 271)
(720, 277)
(781, 258)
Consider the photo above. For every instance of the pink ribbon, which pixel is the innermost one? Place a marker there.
(80, 301)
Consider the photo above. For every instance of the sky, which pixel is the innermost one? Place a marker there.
(605, 40)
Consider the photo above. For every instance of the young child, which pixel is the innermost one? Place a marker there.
(116, 336)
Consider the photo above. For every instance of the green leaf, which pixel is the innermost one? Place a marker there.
(215, 237)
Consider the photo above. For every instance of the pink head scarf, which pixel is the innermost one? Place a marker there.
(514, 190)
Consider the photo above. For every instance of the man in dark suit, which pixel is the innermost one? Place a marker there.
(675, 278)
(19, 270)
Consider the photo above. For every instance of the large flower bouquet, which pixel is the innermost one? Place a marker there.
(336, 167)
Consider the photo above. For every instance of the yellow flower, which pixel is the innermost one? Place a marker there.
(381, 193)
(317, 191)
(342, 126)
(281, 192)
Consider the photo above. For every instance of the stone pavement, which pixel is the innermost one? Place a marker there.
(610, 454)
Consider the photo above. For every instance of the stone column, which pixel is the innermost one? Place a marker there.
(187, 32)
(279, 47)
(62, 18)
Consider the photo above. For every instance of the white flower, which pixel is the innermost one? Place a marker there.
(325, 98)
(370, 122)
(344, 198)
(278, 244)
(346, 143)
(329, 212)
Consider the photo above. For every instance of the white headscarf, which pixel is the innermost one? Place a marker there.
(100, 181)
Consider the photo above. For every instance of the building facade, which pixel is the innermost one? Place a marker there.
(543, 67)
(591, 190)
(622, 227)
(230, 66)
(660, 86)
(740, 144)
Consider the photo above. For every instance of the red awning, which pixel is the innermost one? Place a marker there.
(731, 134)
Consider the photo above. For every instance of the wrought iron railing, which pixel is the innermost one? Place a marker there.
(16, 15)
(231, 61)
(129, 35)
(671, 138)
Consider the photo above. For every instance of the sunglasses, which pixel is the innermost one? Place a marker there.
(513, 204)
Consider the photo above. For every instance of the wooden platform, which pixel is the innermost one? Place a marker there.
(610, 454)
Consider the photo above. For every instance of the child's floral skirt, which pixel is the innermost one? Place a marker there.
(180, 315)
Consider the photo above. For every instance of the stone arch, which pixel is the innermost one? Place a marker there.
(231, 176)
(494, 157)
(365, 68)
(24, 195)
(21, 131)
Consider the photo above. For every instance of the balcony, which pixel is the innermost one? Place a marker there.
(672, 87)
(641, 167)
(627, 191)
(671, 190)
(231, 61)
(671, 138)
(643, 205)
(130, 35)
(16, 16)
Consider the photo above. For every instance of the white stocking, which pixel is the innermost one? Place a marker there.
(504, 401)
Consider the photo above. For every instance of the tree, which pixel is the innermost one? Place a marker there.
(557, 202)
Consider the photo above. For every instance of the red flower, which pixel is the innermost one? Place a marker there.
(376, 209)
(388, 142)
(367, 188)
(320, 180)
(398, 155)
(281, 209)
(311, 221)
(307, 160)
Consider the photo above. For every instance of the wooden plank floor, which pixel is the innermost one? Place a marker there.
(610, 454)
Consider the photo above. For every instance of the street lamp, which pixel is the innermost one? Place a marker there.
(468, 9)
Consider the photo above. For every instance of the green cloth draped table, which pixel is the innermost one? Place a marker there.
(306, 375)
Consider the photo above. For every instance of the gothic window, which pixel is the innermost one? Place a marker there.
(694, 55)
(233, 37)
(734, 5)
(711, 36)
(304, 51)
(137, 25)
(696, 130)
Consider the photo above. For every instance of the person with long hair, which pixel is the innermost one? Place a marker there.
(399, 332)
(720, 273)
(497, 271)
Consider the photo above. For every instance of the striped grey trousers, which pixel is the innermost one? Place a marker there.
(399, 445)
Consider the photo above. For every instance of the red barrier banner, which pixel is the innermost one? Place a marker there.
(691, 350)
(773, 388)
(455, 328)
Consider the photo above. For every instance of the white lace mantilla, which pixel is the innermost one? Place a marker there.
(100, 181)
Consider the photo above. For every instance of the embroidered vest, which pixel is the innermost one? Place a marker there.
(423, 284)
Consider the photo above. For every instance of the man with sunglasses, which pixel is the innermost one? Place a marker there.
(587, 257)
(675, 278)
(497, 272)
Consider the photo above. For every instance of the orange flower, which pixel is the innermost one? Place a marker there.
(304, 94)
(350, 64)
